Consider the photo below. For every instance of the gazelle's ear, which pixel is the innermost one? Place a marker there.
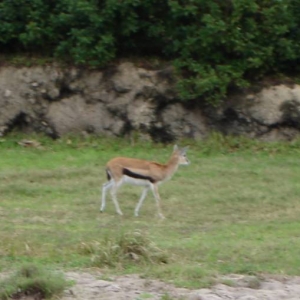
(175, 148)
(185, 149)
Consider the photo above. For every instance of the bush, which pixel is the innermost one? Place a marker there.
(215, 45)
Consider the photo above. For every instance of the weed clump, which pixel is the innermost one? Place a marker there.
(32, 280)
(126, 248)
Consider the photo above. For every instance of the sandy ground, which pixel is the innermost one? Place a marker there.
(91, 287)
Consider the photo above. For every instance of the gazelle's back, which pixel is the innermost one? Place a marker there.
(125, 162)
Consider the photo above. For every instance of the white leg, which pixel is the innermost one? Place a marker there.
(106, 186)
(114, 196)
(154, 189)
(143, 196)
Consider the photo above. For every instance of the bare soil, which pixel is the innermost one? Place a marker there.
(89, 286)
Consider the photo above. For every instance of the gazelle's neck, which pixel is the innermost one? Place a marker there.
(171, 166)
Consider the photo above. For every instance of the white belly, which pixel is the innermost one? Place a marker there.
(134, 181)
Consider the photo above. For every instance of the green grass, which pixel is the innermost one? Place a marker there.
(235, 209)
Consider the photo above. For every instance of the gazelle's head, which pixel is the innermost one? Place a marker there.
(180, 153)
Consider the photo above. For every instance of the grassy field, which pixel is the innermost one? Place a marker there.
(235, 209)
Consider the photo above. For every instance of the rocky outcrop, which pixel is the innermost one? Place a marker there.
(127, 99)
(273, 113)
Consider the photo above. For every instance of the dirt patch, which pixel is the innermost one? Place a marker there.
(131, 287)
(91, 286)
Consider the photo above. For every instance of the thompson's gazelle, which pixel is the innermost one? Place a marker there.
(140, 172)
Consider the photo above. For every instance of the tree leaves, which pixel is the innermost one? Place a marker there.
(215, 45)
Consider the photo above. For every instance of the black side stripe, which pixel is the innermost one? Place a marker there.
(137, 176)
(108, 175)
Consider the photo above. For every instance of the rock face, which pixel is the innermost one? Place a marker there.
(127, 99)
(273, 113)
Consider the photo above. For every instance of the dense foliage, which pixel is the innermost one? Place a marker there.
(215, 44)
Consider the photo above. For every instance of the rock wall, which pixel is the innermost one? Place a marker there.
(127, 99)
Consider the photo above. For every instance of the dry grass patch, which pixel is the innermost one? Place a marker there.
(32, 280)
(126, 248)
